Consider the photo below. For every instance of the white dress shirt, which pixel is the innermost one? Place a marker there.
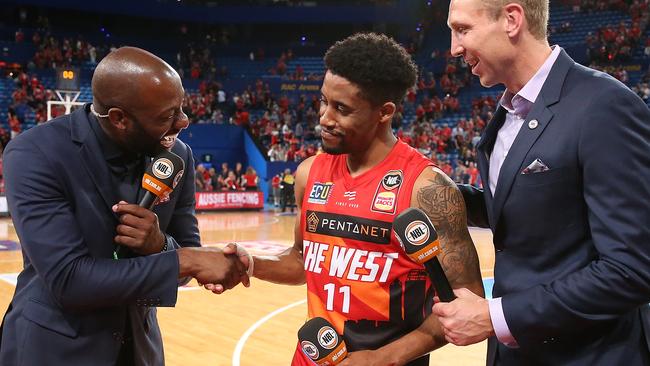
(517, 107)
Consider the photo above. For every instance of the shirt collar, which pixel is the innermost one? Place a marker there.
(110, 150)
(521, 102)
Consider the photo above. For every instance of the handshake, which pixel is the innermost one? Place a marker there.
(216, 269)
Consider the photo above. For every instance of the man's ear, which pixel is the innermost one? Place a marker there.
(387, 111)
(514, 18)
(117, 117)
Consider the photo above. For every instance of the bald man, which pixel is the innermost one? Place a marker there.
(71, 186)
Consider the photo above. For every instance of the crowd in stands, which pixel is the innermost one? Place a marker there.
(616, 43)
(195, 60)
(30, 95)
(53, 52)
(208, 180)
(288, 130)
(613, 44)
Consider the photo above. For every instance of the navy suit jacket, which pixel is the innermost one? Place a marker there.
(72, 298)
(572, 243)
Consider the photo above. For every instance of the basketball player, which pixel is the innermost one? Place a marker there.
(357, 275)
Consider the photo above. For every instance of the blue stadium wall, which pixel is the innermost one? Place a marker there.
(214, 144)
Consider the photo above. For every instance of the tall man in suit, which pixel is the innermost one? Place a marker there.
(565, 161)
(68, 183)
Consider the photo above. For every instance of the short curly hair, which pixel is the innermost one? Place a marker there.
(382, 69)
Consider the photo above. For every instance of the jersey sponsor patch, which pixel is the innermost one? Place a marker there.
(350, 227)
(350, 195)
(392, 180)
(385, 200)
(320, 193)
(350, 264)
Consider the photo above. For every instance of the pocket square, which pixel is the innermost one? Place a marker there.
(536, 166)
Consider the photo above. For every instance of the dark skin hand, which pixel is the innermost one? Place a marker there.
(212, 265)
(138, 229)
(231, 249)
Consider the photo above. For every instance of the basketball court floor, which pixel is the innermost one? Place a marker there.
(245, 326)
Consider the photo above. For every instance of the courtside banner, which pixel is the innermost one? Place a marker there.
(228, 200)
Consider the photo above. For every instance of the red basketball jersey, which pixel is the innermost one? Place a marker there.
(358, 276)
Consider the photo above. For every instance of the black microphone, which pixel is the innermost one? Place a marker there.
(320, 342)
(159, 180)
(161, 177)
(419, 239)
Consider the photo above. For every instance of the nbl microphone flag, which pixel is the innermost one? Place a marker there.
(419, 238)
(161, 177)
(159, 180)
(320, 342)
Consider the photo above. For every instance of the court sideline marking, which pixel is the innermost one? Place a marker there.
(236, 356)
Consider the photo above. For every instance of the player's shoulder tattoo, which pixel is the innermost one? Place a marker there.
(441, 200)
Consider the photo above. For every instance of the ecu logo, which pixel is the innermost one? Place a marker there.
(320, 193)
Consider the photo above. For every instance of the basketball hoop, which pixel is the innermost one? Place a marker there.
(67, 98)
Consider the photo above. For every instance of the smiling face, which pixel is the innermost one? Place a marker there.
(349, 122)
(158, 118)
(481, 40)
(140, 99)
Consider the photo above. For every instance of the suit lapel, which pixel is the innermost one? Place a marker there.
(484, 149)
(520, 147)
(549, 95)
(92, 158)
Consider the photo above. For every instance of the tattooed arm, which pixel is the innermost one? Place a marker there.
(437, 195)
(466, 320)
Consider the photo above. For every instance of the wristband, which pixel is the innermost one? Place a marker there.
(165, 246)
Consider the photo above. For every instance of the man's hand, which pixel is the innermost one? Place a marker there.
(367, 358)
(246, 260)
(138, 229)
(465, 320)
(212, 266)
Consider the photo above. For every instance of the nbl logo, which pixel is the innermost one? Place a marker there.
(392, 180)
(327, 337)
(309, 349)
(162, 168)
(417, 233)
(177, 178)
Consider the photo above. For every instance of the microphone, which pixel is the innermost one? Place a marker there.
(320, 342)
(159, 180)
(161, 177)
(419, 239)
